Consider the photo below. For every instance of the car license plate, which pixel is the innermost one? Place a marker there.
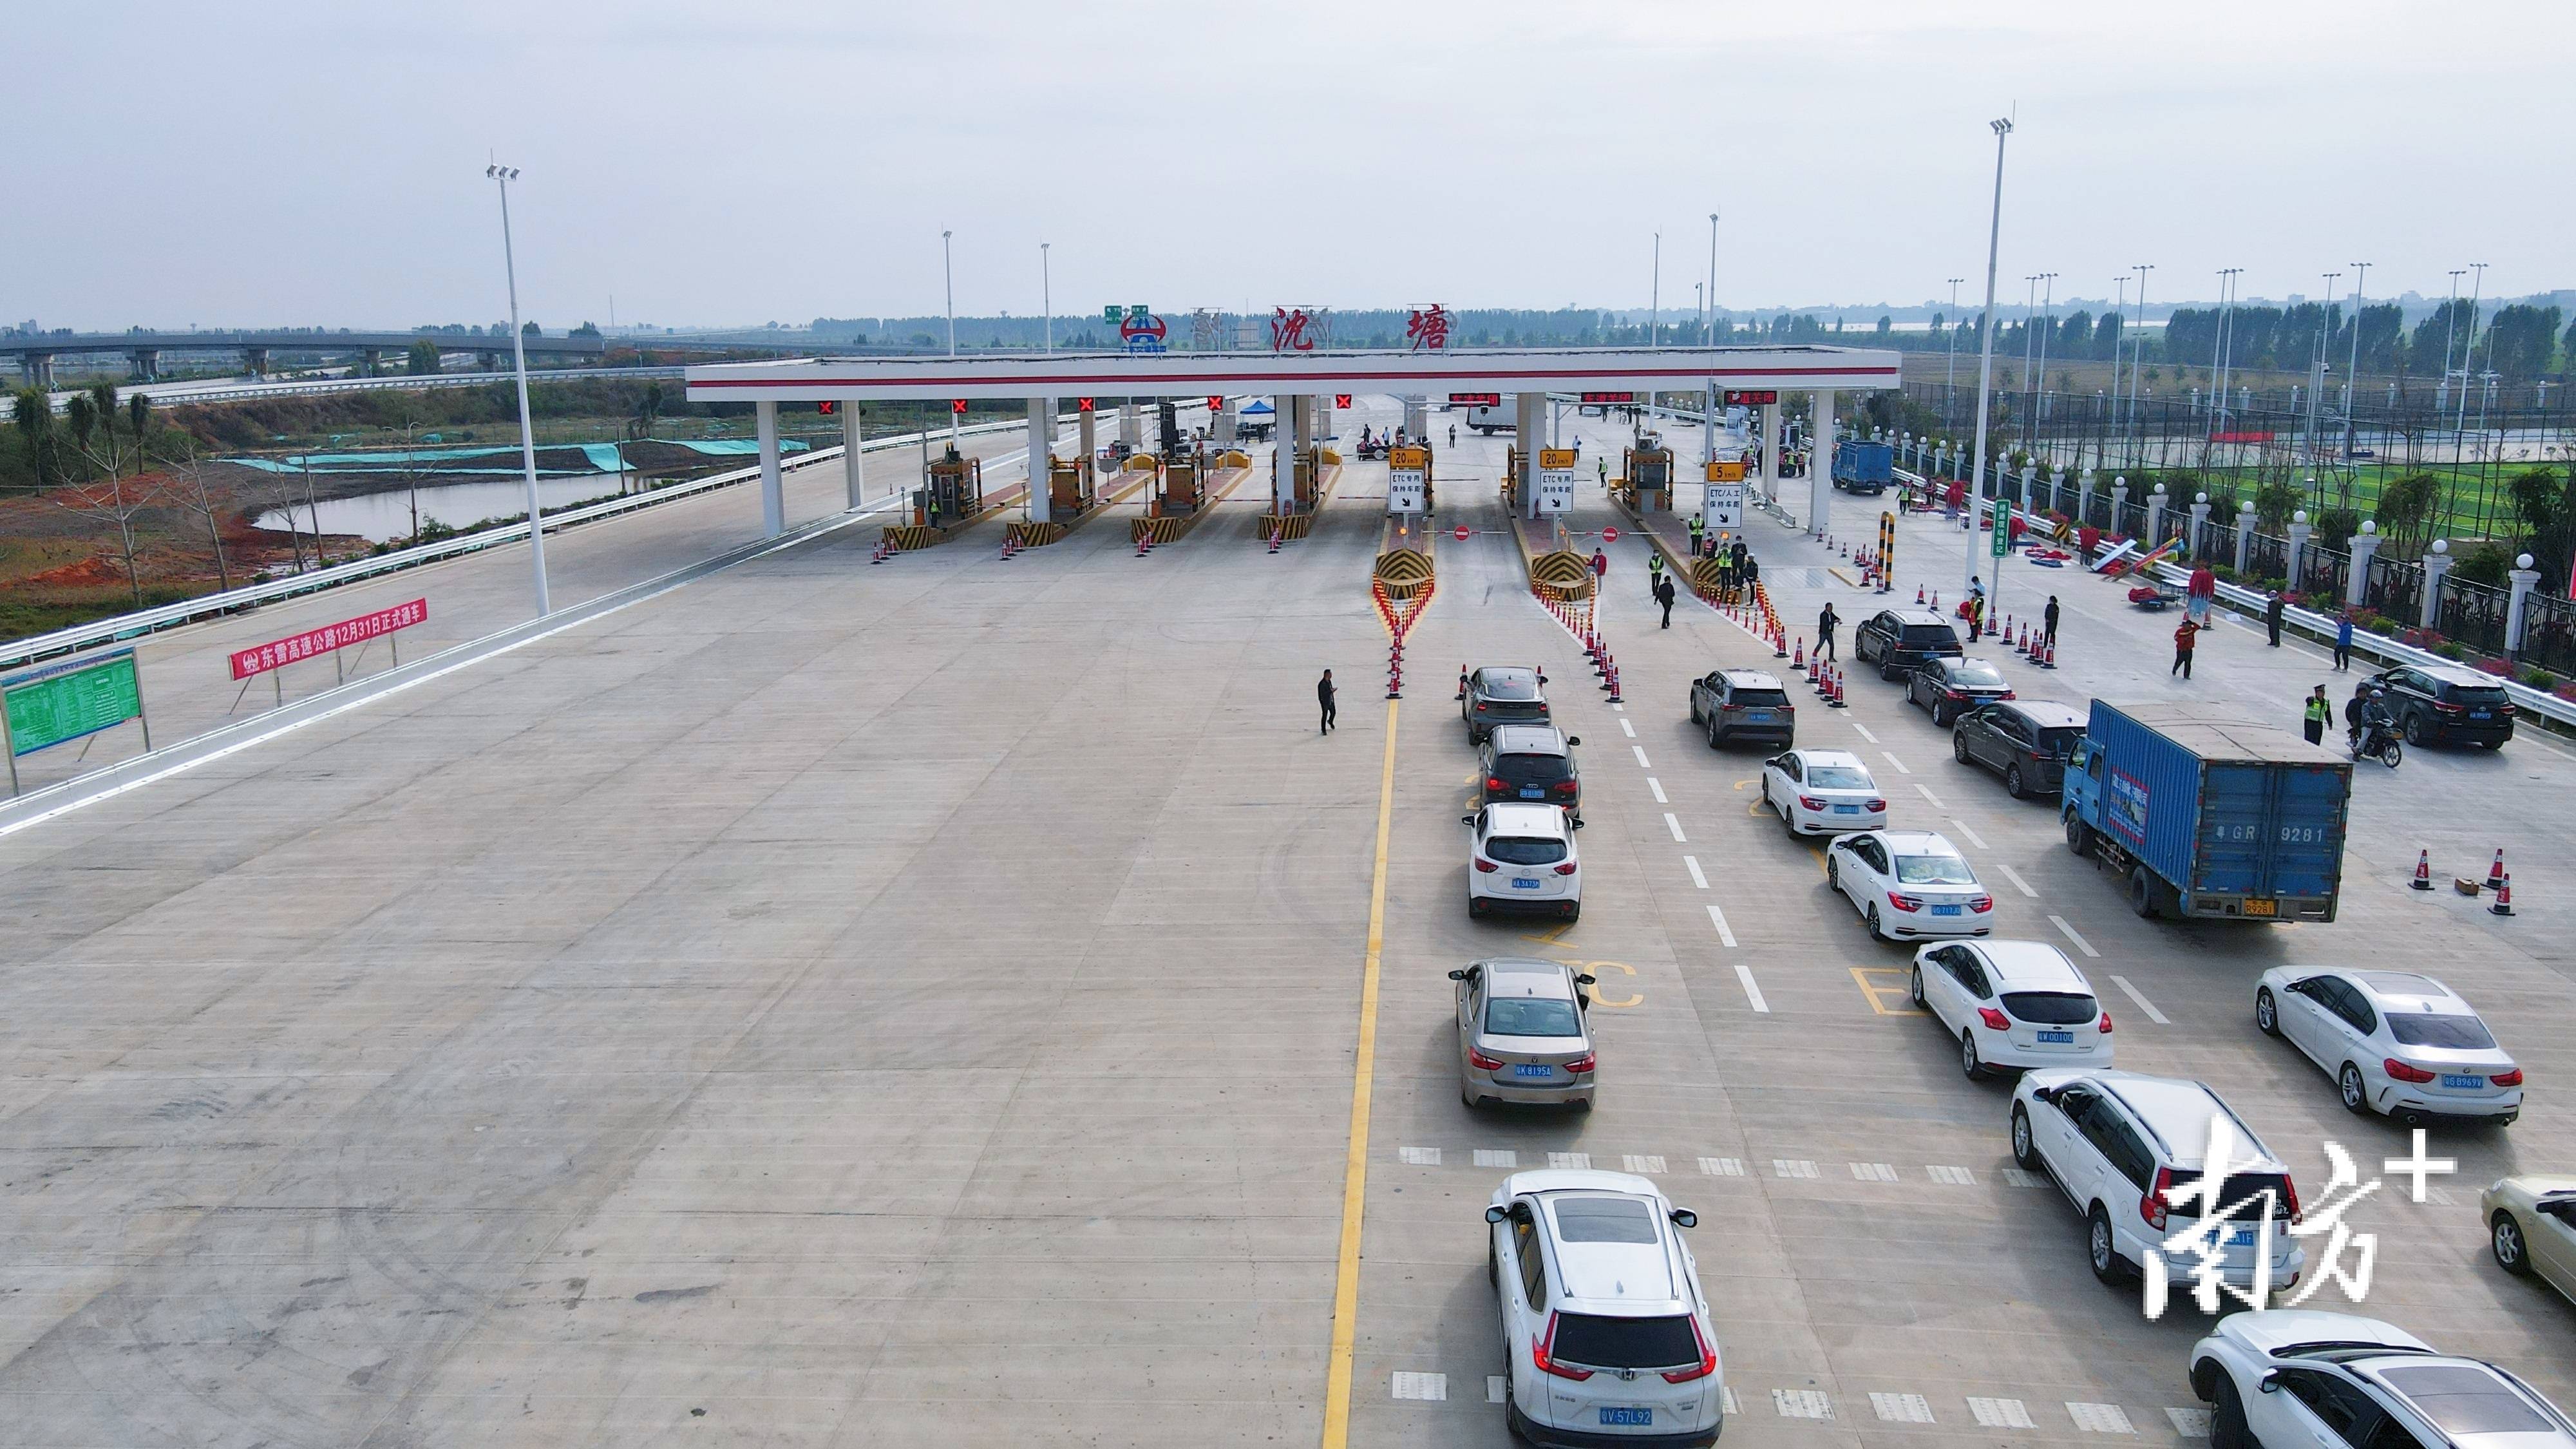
(2057, 1038)
(1533, 793)
(2241, 1238)
(1846, 810)
(1757, 716)
(2481, 714)
(1627, 1416)
(2458, 1083)
(1519, 884)
(1945, 910)
(2262, 908)
(1533, 1069)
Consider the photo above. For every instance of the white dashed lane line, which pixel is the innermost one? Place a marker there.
(1893, 760)
(2080, 943)
(1963, 829)
(2014, 876)
(2144, 1004)
(1629, 727)
(1864, 731)
(1658, 787)
(1697, 878)
(1752, 993)
(1674, 825)
(1926, 793)
(1641, 757)
(1717, 918)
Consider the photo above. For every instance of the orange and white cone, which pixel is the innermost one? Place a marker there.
(2423, 880)
(2504, 898)
(2495, 872)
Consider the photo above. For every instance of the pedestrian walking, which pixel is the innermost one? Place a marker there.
(1752, 570)
(2184, 636)
(2272, 617)
(1601, 469)
(1324, 696)
(1654, 573)
(1453, 435)
(2320, 710)
(2048, 622)
(2343, 640)
(1600, 564)
(1665, 593)
(1825, 623)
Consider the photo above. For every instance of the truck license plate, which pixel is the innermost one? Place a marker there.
(2262, 908)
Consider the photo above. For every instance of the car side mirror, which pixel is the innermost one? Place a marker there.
(1572, 740)
(1466, 819)
(1586, 979)
(1457, 975)
(2044, 1094)
(1578, 825)
(1542, 679)
(1685, 1218)
(2271, 1382)
(1498, 1214)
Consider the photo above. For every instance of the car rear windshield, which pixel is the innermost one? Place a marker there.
(1532, 769)
(1976, 671)
(2050, 1008)
(1839, 777)
(1757, 699)
(2060, 741)
(2433, 1029)
(2463, 1400)
(1604, 1220)
(1511, 686)
(1531, 1016)
(1521, 850)
(2478, 694)
(1933, 870)
(1624, 1343)
(1927, 636)
(2239, 1196)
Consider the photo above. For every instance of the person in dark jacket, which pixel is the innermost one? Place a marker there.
(2272, 617)
(1324, 697)
(2048, 622)
(1665, 593)
(1825, 623)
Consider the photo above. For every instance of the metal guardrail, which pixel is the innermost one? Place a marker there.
(206, 606)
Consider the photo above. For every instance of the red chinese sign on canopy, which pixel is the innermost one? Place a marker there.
(277, 653)
(1288, 329)
(1426, 329)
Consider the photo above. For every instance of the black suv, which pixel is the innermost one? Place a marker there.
(1497, 695)
(1897, 640)
(2029, 741)
(1744, 704)
(1530, 763)
(2439, 704)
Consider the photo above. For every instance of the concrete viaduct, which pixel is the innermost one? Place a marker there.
(142, 350)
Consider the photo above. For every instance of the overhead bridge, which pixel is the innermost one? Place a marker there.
(35, 354)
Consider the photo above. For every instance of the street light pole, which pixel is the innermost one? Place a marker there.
(2039, 379)
(504, 175)
(2469, 347)
(2119, 335)
(1986, 343)
(2137, 364)
(1708, 334)
(1950, 368)
(1046, 293)
(1655, 299)
(2352, 371)
(948, 280)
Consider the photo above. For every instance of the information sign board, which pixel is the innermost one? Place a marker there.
(1408, 475)
(69, 699)
(1475, 399)
(1555, 480)
(1725, 507)
(1752, 398)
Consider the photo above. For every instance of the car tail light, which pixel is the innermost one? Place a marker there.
(1707, 1360)
(1487, 866)
(2007, 694)
(1482, 1062)
(1948, 693)
(1540, 1361)
(1810, 802)
(1567, 788)
(1565, 867)
(2404, 1072)
(1981, 904)
(1876, 807)
(1480, 706)
(1582, 1064)
(2510, 1077)
(1786, 708)
(2104, 1025)
(2504, 709)
(2450, 708)
(1994, 1020)
(1493, 783)
(2152, 1206)
(2290, 1195)
(1905, 903)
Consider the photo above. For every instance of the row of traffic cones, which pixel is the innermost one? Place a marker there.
(1604, 666)
(1395, 670)
(1010, 546)
(1919, 600)
(884, 551)
(2499, 880)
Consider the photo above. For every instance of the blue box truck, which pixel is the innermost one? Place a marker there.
(1864, 467)
(2209, 816)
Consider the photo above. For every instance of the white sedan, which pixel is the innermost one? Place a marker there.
(2395, 1042)
(1822, 792)
(1909, 885)
(2012, 1004)
(2298, 1377)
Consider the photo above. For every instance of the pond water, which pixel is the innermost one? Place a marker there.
(377, 517)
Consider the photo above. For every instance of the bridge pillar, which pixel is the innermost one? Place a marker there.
(255, 361)
(371, 361)
(1041, 453)
(488, 361)
(1529, 410)
(1820, 463)
(1087, 428)
(773, 499)
(146, 362)
(854, 466)
(1283, 455)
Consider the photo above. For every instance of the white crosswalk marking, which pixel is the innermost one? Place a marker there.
(1645, 1164)
(1420, 1156)
(1802, 1404)
(1570, 1161)
(2000, 1413)
(1497, 1157)
(1873, 1172)
(2019, 1178)
(1425, 1388)
(1732, 1407)
(1722, 1166)
(1792, 1167)
(2190, 1423)
(1954, 1176)
(1902, 1408)
(2100, 1418)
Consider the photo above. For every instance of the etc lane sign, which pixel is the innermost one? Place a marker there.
(1555, 480)
(1408, 471)
(278, 653)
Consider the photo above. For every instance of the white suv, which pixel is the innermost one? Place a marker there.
(1606, 1336)
(2297, 1377)
(2124, 1148)
(1523, 860)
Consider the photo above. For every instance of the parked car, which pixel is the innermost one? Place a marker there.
(1909, 884)
(1896, 640)
(2029, 741)
(2531, 1227)
(1949, 688)
(1822, 792)
(2440, 704)
(2012, 1004)
(1523, 859)
(1530, 762)
(1606, 1334)
(2395, 1042)
(1522, 1033)
(2299, 1377)
(2123, 1147)
(1744, 704)
(1501, 695)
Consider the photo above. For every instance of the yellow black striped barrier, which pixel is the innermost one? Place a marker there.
(1562, 574)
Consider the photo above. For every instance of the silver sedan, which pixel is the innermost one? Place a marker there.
(1522, 1033)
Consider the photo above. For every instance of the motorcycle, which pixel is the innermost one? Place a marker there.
(2381, 744)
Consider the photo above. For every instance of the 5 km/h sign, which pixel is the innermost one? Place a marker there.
(68, 700)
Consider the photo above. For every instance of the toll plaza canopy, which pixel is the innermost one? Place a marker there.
(1298, 381)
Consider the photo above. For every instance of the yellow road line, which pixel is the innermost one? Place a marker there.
(1902, 990)
(1346, 1277)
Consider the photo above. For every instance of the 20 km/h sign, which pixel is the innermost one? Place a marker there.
(68, 700)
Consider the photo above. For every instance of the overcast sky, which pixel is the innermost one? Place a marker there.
(746, 162)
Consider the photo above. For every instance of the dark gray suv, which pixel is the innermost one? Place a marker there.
(1744, 704)
(1898, 640)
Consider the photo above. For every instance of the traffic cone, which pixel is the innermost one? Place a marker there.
(1274, 539)
(2504, 898)
(1918, 596)
(2423, 880)
(1798, 661)
(2495, 872)
(1462, 681)
(1936, 599)
(1614, 688)
(1836, 702)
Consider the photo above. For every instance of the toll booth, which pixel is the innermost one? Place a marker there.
(1070, 485)
(1182, 486)
(1646, 474)
(1309, 464)
(952, 491)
